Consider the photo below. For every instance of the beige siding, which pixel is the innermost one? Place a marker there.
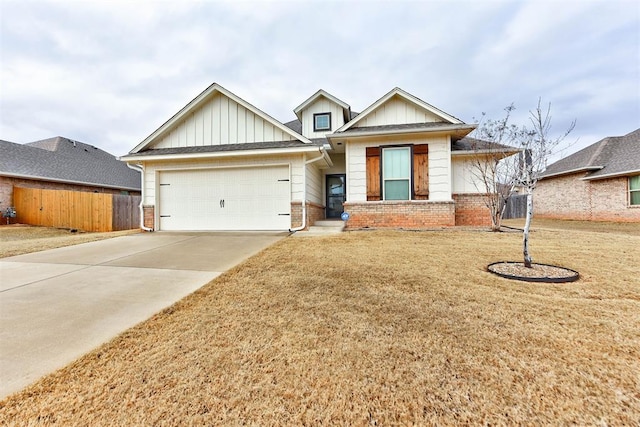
(464, 179)
(321, 105)
(397, 111)
(152, 168)
(439, 167)
(314, 184)
(221, 121)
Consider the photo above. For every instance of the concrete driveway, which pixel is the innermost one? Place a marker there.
(59, 304)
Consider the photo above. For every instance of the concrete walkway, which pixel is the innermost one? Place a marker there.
(59, 304)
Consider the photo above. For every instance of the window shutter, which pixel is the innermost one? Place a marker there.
(421, 172)
(373, 173)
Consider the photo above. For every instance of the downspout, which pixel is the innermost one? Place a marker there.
(322, 155)
(140, 168)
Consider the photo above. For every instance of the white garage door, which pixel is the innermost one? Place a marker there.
(225, 199)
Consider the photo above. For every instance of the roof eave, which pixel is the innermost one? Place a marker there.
(410, 131)
(611, 175)
(506, 153)
(132, 158)
(67, 181)
(572, 171)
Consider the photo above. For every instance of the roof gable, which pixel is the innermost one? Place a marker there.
(346, 109)
(611, 156)
(215, 117)
(398, 107)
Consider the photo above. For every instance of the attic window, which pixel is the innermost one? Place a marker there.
(321, 121)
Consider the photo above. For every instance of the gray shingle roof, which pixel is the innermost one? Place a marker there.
(226, 147)
(470, 144)
(611, 156)
(62, 159)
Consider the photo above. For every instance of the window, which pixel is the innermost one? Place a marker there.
(321, 121)
(634, 190)
(396, 173)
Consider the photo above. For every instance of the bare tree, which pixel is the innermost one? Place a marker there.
(537, 145)
(492, 164)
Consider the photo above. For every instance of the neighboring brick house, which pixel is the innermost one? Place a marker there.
(62, 164)
(599, 183)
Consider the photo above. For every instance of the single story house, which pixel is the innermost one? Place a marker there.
(62, 164)
(220, 163)
(600, 183)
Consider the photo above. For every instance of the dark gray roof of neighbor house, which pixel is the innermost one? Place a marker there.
(226, 147)
(62, 159)
(611, 156)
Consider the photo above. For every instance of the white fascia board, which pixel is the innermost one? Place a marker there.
(611, 175)
(364, 134)
(572, 171)
(407, 96)
(318, 94)
(67, 181)
(198, 100)
(218, 154)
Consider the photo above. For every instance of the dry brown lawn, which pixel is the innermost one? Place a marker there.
(18, 239)
(374, 328)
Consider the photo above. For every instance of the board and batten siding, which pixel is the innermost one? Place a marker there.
(151, 171)
(464, 179)
(397, 111)
(321, 105)
(221, 121)
(314, 184)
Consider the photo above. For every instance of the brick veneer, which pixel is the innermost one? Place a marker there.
(472, 210)
(400, 214)
(315, 212)
(569, 197)
(149, 216)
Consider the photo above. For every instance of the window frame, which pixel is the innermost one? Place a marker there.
(633, 190)
(383, 190)
(315, 127)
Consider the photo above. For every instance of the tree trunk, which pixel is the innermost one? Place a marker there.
(527, 226)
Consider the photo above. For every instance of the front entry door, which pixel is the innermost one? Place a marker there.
(336, 195)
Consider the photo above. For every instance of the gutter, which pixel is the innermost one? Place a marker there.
(323, 155)
(140, 168)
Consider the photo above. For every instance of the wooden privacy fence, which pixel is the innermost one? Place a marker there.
(76, 209)
(516, 207)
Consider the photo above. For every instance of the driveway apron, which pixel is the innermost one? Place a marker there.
(59, 304)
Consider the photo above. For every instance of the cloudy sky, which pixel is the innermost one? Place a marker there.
(109, 73)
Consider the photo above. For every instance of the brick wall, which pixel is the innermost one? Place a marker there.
(315, 212)
(7, 183)
(569, 197)
(149, 216)
(412, 214)
(472, 210)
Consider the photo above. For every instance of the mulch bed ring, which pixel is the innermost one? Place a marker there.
(542, 273)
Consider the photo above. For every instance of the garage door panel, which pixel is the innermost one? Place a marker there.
(225, 199)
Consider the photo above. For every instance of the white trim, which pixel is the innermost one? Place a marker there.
(366, 133)
(408, 97)
(66, 181)
(198, 101)
(216, 154)
(312, 98)
(572, 171)
(611, 175)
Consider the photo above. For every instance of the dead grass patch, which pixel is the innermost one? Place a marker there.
(374, 328)
(628, 228)
(19, 239)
